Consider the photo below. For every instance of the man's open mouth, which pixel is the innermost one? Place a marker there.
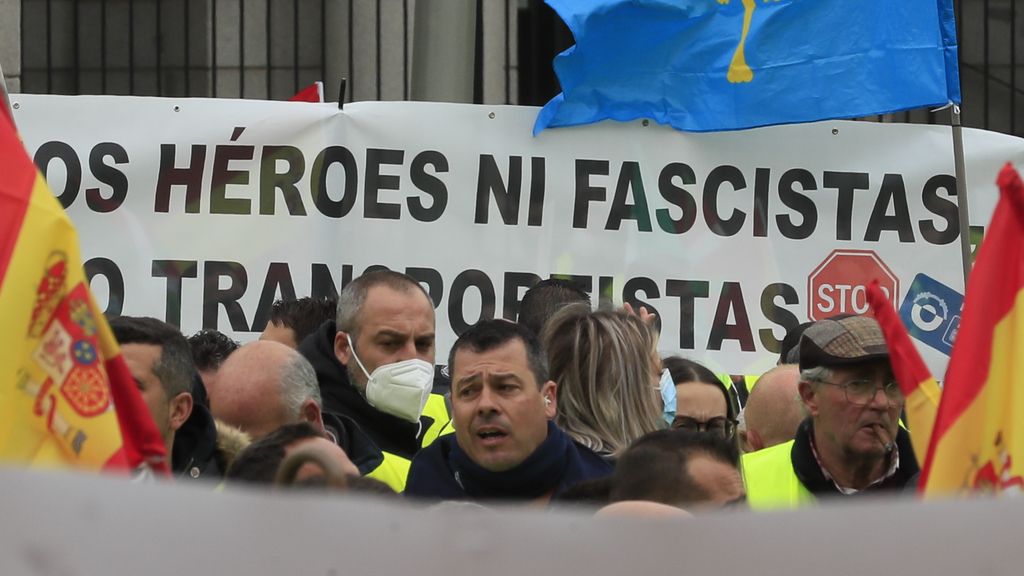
(491, 434)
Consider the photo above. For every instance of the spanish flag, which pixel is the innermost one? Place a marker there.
(916, 381)
(61, 373)
(978, 441)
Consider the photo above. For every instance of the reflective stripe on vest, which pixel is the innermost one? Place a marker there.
(438, 411)
(771, 481)
(725, 379)
(393, 471)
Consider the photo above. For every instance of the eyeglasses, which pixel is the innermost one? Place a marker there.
(861, 392)
(718, 425)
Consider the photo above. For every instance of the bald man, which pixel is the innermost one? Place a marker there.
(265, 385)
(773, 411)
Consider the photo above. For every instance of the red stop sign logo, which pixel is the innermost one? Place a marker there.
(839, 285)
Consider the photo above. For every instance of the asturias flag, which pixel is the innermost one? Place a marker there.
(978, 441)
(61, 373)
(703, 65)
(916, 381)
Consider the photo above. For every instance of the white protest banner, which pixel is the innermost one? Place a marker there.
(202, 212)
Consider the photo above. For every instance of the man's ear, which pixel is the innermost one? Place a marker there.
(311, 413)
(342, 350)
(809, 396)
(549, 396)
(178, 410)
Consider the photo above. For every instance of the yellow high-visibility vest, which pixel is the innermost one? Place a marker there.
(771, 481)
(437, 409)
(394, 470)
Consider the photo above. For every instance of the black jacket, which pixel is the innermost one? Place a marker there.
(204, 448)
(360, 449)
(389, 433)
(443, 471)
(807, 470)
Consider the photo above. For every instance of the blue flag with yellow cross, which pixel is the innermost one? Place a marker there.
(704, 65)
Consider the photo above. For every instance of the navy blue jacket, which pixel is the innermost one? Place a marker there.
(443, 471)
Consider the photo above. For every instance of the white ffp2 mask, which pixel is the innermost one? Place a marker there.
(400, 389)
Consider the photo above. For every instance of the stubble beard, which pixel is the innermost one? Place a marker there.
(357, 378)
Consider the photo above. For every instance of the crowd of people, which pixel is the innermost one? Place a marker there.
(568, 406)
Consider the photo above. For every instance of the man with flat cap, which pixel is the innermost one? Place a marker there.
(852, 443)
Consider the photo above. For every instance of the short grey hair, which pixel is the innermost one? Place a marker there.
(298, 384)
(353, 296)
(816, 374)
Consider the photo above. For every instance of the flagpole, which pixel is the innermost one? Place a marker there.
(961, 191)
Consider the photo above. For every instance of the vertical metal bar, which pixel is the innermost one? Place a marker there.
(323, 41)
(444, 43)
(378, 50)
(241, 48)
(131, 47)
(159, 60)
(1013, 67)
(351, 50)
(49, 49)
(508, 57)
(103, 46)
(529, 85)
(961, 192)
(478, 55)
(5, 101)
(76, 49)
(295, 38)
(21, 26)
(213, 45)
(188, 45)
(985, 90)
(269, 36)
(405, 49)
(159, 48)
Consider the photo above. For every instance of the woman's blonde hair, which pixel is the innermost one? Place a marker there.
(605, 366)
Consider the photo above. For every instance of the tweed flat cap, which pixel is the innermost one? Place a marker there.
(842, 340)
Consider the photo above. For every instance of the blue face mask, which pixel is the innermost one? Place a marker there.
(668, 397)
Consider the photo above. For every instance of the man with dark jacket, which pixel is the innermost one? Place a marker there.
(852, 443)
(160, 361)
(505, 445)
(375, 364)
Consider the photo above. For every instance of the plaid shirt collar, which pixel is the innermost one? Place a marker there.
(894, 464)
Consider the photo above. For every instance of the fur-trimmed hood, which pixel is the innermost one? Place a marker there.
(230, 442)
(204, 448)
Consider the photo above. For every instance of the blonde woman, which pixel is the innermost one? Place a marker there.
(607, 369)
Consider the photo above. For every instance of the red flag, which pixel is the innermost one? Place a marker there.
(312, 93)
(916, 381)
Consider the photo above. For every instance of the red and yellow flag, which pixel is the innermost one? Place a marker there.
(916, 381)
(978, 441)
(61, 373)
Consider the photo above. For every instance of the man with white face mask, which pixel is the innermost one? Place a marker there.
(375, 364)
